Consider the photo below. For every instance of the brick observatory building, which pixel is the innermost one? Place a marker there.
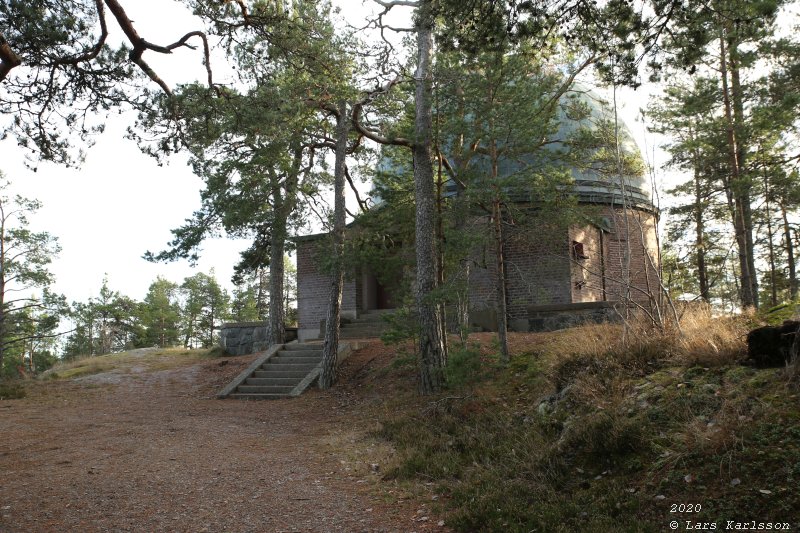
(602, 260)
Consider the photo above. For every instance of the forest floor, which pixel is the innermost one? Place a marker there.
(138, 442)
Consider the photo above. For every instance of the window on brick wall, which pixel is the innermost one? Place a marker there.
(577, 251)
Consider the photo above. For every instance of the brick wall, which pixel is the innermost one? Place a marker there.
(537, 268)
(313, 286)
(542, 267)
(587, 272)
(602, 274)
(632, 260)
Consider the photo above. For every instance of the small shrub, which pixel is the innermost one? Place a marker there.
(463, 367)
(403, 362)
(402, 326)
(11, 390)
(216, 351)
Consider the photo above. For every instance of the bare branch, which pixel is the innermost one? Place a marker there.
(361, 203)
(394, 3)
(31, 337)
(370, 134)
(95, 51)
(140, 45)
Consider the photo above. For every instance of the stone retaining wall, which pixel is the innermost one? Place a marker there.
(242, 338)
(553, 317)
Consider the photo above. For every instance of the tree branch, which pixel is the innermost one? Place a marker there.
(140, 45)
(394, 3)
(361, 203)
(373, 135)
(95, 51)
(29, 337)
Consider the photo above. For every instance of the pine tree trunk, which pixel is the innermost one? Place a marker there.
(787, 235)
(462, 281)
(770, 242)
(699, 224)
(432, 354)
(284, 199)
(330, 347)
(276, 330)
(3, 274)
(746, 286)
(702, 271)
(500, 281)
(743, 186)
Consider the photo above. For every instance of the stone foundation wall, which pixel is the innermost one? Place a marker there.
(242, 338)
(553, 317)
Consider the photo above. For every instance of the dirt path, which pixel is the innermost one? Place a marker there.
(153, 451)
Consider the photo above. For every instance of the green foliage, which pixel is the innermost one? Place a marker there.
(244, 303)
(205, 305)
(732, 136)
(55, 91)
(464, 366)
(402, 326)
(160, 314)
(107, 323)
(28, 321)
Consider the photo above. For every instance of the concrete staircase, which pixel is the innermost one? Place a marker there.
(368, 325)
(283, 371)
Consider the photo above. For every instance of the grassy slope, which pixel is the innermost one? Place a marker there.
(585, 432)
(150, 359)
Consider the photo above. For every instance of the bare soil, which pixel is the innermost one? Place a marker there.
(143, 449)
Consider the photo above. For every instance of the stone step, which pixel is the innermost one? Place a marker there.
(264, 389)
(300, 353)
(288, 367)
(282, 372)
(268, 382)
(303, 360)
(270, 396)
(275, 373)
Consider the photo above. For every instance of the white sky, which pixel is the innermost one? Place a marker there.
(120, 203)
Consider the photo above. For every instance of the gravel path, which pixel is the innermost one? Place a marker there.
(153, 451)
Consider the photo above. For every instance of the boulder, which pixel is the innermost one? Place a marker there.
(771, 346)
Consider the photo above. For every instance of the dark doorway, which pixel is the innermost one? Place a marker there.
(384, 297)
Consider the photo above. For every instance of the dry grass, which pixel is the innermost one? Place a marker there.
(147, 358)
(706, 340)
(700, 340)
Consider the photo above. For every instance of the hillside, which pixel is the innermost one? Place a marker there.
(583, 432)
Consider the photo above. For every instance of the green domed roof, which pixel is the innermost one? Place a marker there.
(596, 184)
(585, 119)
